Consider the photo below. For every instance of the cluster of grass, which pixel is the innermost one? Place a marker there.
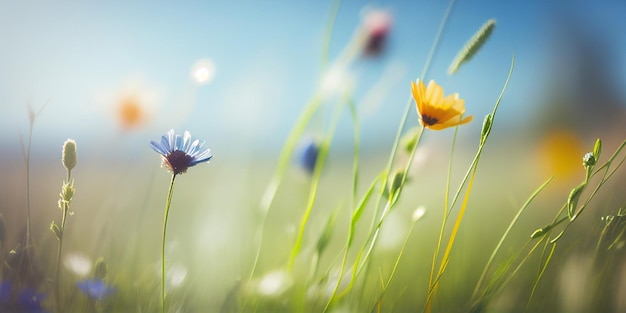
(337, 266)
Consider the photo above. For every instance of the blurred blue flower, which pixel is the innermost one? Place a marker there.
(30, 301)
(308, 155)
(96, 289)
(5, 291)
(180, 152)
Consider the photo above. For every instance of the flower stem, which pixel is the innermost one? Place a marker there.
(314, 185)
(64, 210)
(393, 198)
(26, 154)
(167, 211)
(57, 280)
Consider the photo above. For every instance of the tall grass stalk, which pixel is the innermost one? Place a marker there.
(319, 165)
(355, 217)
(59, 232)
(386, 284)
(444, 261)
(290, 144)
(394, 195)
(486, 130)
(383, 177)
(446, 212)
(504, 236)
(366, 250)
(355, 155)
(405, 115)
(542, 268)
(504, 276)
(69, 160)
(574, 212)
(32, 116)
(407, 109)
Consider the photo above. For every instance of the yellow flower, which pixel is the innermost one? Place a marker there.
(435, 111)
(559, 151)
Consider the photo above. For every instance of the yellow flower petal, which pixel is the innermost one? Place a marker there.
(436, 111)
(453, 122)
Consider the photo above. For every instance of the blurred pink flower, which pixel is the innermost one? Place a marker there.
(377, 24)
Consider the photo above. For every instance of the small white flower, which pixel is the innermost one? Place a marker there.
(176, 275)
(78, 264)
(418, 213)
(274, 283)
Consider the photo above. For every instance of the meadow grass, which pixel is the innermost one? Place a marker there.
(320, 238)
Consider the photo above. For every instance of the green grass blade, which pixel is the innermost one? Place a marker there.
(506, 233)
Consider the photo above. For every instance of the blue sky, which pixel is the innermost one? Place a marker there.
(76, 55)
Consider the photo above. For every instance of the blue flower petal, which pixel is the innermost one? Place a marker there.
(180, 152)
(5, 291)
(204, 156)
(95, 289)
(186, 142)
(171, 140)
(30, 300)
(308, 155)
(158, 148)
(193, 148)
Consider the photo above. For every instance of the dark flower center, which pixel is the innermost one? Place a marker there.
(177, 161)
(375, 43)
(428, 120)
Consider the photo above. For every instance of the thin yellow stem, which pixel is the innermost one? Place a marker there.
(446, 255)
(446, 210)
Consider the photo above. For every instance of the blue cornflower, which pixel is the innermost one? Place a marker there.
(180, 152)
(30, 301)
(5, 291)
(308, 154)
(95, 289)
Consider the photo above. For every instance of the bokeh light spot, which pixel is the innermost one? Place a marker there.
(203, 71)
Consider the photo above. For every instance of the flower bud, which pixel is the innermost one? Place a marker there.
(102, 269)
(487, 124)
(69, 154)
(396, 183)
(597, 149)
(67, 192)
(56, 230)
(589, 160)
(572, 200)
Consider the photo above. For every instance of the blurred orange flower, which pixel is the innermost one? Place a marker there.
(132, 105)
(131, 113)
(436, 111)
